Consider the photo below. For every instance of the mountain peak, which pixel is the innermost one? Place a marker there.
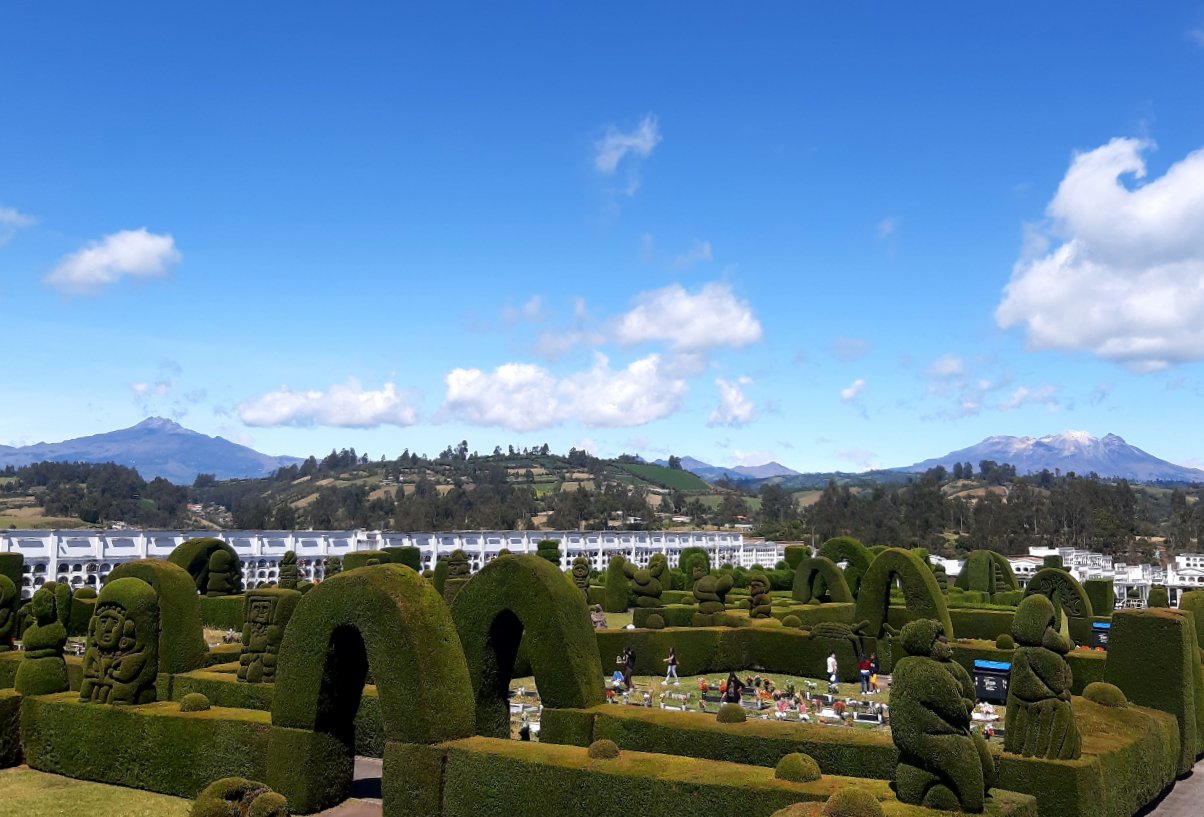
(159, 424)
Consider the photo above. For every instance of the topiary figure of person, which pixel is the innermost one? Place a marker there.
(121, 661)
(646, 583)
(332, 566)
(10, 601)
(711, 591)
(759, 602)
(1039, 720)
(290, 574)
(221, 574)
(581, 575)
(940, 765)
(458, 573)
(43, 670)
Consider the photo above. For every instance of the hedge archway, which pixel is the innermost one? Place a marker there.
(921, 592)
(988, 572)
(182, 645)
(193, 555)
(856, 555)
(1063, 590)
(517, 596)
(818, 576)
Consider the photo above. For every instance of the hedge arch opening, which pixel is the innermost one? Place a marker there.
(819, 577)
(988, 572)
(855, 555)
(193, 555)
(1064, 590)
(921, 593)
(524, 598)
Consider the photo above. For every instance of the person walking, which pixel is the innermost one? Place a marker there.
(874, 672)
(628, 667)
(833, 668)
(863, 669)
(672, 671)
(731, 695)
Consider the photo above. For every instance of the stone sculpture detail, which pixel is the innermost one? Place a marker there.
(265, 615)
(1039, 721)
(122, 656)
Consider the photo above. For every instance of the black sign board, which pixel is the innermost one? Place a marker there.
(991, 685)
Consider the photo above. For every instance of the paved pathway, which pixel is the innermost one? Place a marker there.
(1186, 799)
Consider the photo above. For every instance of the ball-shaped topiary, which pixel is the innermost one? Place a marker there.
(238, 796)
(732, 713)
(1005, 642)
(603, 749)
(792, 621)
(852, 802)
(1105, 694)
(797, 768)
(654, 622)
(195, 702)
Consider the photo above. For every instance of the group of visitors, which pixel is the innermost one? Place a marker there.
(867, 671)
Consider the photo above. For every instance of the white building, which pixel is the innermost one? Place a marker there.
(85, 557)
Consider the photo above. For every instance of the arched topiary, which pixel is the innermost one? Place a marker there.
(986, 571)
(920, 591)
(194, 554)
(1159, 597)
(383, 619)
(182, 645)
(1063, 590)
(614, 600)
(849, 550)
(813, 572)
(526, 596)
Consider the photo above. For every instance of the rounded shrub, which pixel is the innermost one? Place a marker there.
(1105, 694)
(654, 622)
(1158, 597)
(194, 702)
(603, 750)
(852, 802)
(797, 768)
(792, 621)
(237, 795)
(732, 713)
(1005, 642)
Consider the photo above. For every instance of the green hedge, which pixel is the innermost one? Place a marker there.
(794, 554)
(615, 598)
(1087, 666)
(856, 555)
(181, 645)
(411, 557)
(360, 558)
(10, 728)
(1063, 590)
(1193, 602)
(222, 612)
(819, 577)
(193, 556)
(517, 597)
(82, 608)
(674, 615)
(1102, 593)
(12, 565)
(988, 572)
(922, 594)
(153, 747)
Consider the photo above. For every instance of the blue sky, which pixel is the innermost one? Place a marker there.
(835, 237)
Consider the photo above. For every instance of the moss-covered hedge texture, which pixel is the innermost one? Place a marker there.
(1064, 590)
(181, 643)
(1152, 656)
(988, 572)
(384, 619)
(922, 596)
(238, 796)
(1193, 602)
(365, 558)
(10, 728)
(1102, 593)
(819, 577)
(222, 612)
(856, 556)
(194, 554)
(12, 565)
(153, 747)
(526, 596)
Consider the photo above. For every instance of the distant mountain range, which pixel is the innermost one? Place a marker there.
(1078, 451)
(156, 447)
(713, 473)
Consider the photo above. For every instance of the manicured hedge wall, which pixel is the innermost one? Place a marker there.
(1193, 602)
(1102, 593)
(10, 728)
(181, 644)
(1086, 666)
(222, 612)
(360, 558)
(674, 615)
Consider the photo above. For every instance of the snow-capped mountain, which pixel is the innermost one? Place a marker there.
(1078, 451)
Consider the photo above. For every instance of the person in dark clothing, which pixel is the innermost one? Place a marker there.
(628, 667)
(863, 669)
(731, 695)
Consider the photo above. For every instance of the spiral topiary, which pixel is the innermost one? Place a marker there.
(195, 702)
(603, 749)
(1005, 642)
(654, 622)
(852, 802)
(732, 713)
(1105, 694)
(797, 768)
(792, 621)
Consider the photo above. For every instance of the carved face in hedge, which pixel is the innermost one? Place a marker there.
(110, 626)
(43, 606)
(261, 610)
(580, 572)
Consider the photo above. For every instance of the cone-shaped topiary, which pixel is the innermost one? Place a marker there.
(1105, 694)
(615, 598)
(195, 702)
(290, 574)
(1158, 597)
(238, 797)
(854, 554)
(797, 768)
(731, 713)
(852, 802)
(603, 749)
(1005, 642)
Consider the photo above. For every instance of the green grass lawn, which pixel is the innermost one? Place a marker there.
(26, 793)
(670, 478)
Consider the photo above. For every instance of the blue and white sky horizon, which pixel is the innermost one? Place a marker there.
(834, 237)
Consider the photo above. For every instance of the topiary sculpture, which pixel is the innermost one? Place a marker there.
(1039, 721)
(940, 765)
(548, 549)
(195, 702)
(840, 631)
(1193, 602)
(194, 555)
(797, 768)
(238, 797)
(580, 573)
(1105, 694)
(459, 571)
(792, 621)
(654, 622)
(603, 749)
(439, 577)
(1158, 597)
(222, 571)
(9, 603)
(731, 713)
(711, 591)
(121, 660)
(332, 566)
(759, 602)
(615, 598)
(265, 615)
(852, 802)
(646, 583)
(1004, 641)
(43, 670)
(290, 574)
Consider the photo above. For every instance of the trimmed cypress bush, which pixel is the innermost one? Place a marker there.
(332, 566)
(1102, 593)
(603, 750)
(988, 572)
(654, 622)
(731, 713)
(365, 558)
(194, 702)
(1053, 561)
(1105, 694)
(796, 554)
(1158, 597)
(548, 549)
(792, 621)
(852, 802)
(921, 594)
(181, 644)
(798, 768)
(411, 557)
(194, 556)
(616, 586)
(1193, 602)
(692, 559)
(238, 797)
(439, 579)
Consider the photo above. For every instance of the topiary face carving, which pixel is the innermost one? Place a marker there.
(110, 627)
(261, 611)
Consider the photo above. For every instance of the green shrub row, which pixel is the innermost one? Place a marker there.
(222, 612)
(10, 728)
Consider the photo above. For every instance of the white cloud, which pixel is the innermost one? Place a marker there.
(887, 227)
(151, 389)
(134, 253)
(611, 148)
(530, 312)
(346, 405)
(852, 391)
(735, 409)
(12, 221)
(1197, 35)
(710, 318)
(759, 456)
(527, 397)
(1126, 280)
(946, 367)
(697, 254)
(1045, 396)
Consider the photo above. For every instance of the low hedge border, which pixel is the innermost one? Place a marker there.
(10, 728)
(10, 660)
(222, 612)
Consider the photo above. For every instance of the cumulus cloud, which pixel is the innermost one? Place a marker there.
(852, 391)
(735, 409)
(1119, 268)
(132, 253)
(346, 405)
(1045, 396)
(946, 367)
(699, 253)
(710, 318)
(616, 144)
(759, 456)
(527, 397)
(11, 221)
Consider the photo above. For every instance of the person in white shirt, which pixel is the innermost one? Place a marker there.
(833, 675)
